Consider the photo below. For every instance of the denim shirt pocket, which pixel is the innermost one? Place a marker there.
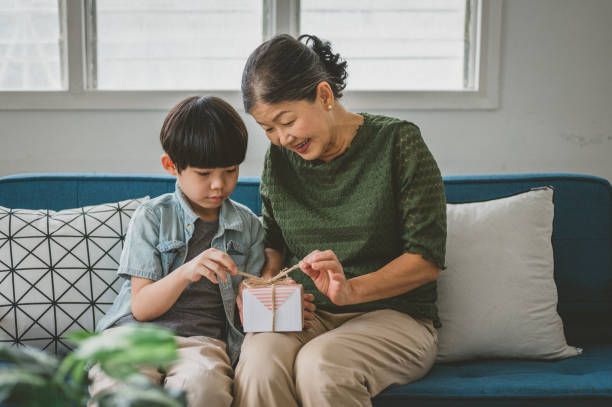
(234, 250)
(168, 252)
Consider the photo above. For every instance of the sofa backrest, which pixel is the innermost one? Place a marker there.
(582, 237)
(64, 191)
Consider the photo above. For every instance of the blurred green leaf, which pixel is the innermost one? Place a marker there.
(34, 378)
(120, 351)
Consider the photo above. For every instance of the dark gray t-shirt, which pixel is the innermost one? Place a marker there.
(199, 309)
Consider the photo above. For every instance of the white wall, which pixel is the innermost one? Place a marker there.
(555, 111)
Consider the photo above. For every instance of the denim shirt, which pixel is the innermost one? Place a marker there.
(156, 244)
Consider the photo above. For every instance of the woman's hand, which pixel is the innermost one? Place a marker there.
(212, 264)
(309, 309)
(328, 275)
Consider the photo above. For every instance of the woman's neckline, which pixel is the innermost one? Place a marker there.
(353, 146)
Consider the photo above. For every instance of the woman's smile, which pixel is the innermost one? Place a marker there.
(303, 147)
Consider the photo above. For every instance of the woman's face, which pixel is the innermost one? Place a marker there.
(300, 126)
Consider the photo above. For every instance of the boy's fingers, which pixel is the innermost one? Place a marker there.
(223, 259)
(208, 274)
(214, 268)
(239, 302)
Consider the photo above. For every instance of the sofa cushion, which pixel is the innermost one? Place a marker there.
(498, 297)
(582, 243)
(583, 381)
(58, 270)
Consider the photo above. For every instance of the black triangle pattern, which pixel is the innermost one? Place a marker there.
(57, 270)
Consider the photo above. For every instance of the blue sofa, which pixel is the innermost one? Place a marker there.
(582, 244)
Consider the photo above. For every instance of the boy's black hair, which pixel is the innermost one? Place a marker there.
(204, 132)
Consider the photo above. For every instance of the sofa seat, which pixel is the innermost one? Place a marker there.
(578, 381)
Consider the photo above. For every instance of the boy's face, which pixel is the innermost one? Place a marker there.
(205, 188)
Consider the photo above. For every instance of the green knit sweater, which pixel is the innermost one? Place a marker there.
(381, 198)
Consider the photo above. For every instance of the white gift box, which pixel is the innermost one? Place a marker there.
(287, 313)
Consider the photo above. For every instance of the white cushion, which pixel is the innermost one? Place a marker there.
(498, 298)
(58, 270)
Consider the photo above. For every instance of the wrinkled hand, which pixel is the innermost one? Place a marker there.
(327, 273)
(212, 264)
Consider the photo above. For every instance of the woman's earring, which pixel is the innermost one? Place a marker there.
(329, 107)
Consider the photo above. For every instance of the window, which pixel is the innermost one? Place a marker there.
(400, 44)
(147, 54)
(169, 44)
(31, 45)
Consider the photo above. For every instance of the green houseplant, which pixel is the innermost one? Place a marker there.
(30, 377)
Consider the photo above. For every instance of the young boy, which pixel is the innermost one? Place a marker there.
(180, 248)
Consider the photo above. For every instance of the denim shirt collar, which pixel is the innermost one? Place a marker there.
(229, 218)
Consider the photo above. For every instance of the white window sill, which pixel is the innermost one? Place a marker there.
(164, 100)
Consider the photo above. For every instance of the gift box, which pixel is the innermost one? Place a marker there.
(273, 308)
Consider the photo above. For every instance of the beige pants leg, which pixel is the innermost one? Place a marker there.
(351, 364)
(345, 360)
(203, 371)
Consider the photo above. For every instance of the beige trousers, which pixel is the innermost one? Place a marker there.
(203, 371)
(341, 360)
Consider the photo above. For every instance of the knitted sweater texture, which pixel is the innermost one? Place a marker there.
(382, 197)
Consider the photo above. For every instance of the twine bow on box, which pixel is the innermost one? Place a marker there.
(258, 282)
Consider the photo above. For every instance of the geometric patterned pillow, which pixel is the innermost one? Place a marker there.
(58, 270)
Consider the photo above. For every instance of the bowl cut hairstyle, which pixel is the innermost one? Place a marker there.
(204, 132)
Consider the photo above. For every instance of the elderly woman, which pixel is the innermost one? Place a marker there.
(357, 199)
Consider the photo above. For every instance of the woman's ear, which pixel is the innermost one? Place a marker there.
(325, 95)
(168, 164)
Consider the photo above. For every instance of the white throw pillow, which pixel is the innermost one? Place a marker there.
(498, 298)
(58, 270)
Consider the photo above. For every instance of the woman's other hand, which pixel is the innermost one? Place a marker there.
(325, 270)
(307, 304)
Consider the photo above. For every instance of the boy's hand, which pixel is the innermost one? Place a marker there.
(212, 264)
(239, 302)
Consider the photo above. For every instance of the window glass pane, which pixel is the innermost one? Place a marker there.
(30, 45)
(393, 44)
(169, 44)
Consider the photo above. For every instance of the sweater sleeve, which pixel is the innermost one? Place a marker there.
(273, 237)
(421, 198)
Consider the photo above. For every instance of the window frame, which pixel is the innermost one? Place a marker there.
(279, 16)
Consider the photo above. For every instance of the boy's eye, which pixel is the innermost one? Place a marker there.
(231, 170)
(204, 173)
(269, 130)
(288, 123)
